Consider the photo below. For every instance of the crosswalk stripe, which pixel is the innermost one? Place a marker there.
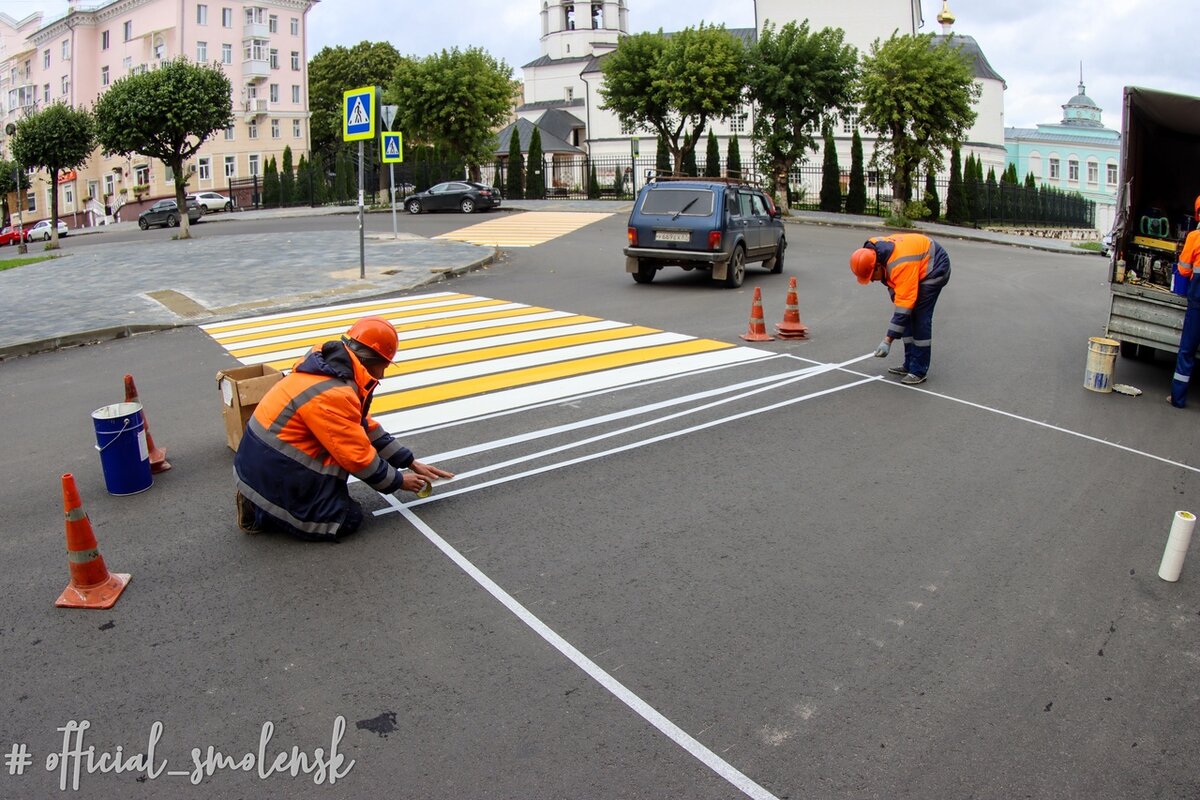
(350, 311)
(524, 230)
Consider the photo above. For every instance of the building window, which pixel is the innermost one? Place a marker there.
(1093, 173)
(127, 63)
(274, 129)
(1054, 172)
(226, 17)
(128, 29)
(46, 93)
(204, 168)
(66, 50)
(92, 188)
(31, 202)
(201, 14)
(850, 123)
(252, 127)
(274, 92)
(295, 23)
(226, 54)
(68, 195)
(296, 60)
(66, 84)
(46, 58)
(737, 123)
(104, 76)
(201, 52)
(109, 186)
(229, 134)
(141, 174)
(1073, 170)
(168, 174)
(1112, 174)
(254, 16)
(272, 24)
(104, 40)
(230, 166)
(296, 129)
(254, 165)
(295, 93)
(274, 58)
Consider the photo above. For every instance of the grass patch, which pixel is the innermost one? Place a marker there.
(11, 263)
(1093, 247)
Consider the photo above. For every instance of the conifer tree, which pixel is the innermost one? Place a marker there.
(287, 179)
(712, 158)
(733, 161)
(535, 169)
(931, 197)
(593, 190)
(955, 196)
(514, 181)
(690, 168)
(662, 161)
(856, 196)
(831, 174)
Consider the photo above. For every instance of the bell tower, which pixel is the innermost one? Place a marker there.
(580, 28)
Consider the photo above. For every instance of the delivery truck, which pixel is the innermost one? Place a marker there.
(1160, 180)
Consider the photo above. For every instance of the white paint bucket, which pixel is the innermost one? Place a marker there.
(1177, 545)
(1102, 356)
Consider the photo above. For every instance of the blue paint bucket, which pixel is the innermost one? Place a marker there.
(124, 454)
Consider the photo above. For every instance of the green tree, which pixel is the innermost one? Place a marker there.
(918, 96)
(287, 179)
(677, 84)
(270, 184)
(13, 180)
(320, 179)
(514, 181)
(344, 177)
(856, 193)
(662, 158)
(303, 182)
(956, 199)
(690, 168)
(535, 168)
(931, 197)
(593, 190)
(55, 139)
(455, 100)
(712, 157)
(797, 79)
(733, 158)
(970, 190)
(335, 70)
(831, 174)
(167, 113)
(992, 195)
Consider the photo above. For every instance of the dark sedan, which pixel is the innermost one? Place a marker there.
(166, 212)
(464, 196)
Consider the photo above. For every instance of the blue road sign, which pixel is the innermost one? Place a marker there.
(358, 114)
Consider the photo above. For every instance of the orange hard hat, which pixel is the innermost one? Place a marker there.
(862, 264)
(376, 333)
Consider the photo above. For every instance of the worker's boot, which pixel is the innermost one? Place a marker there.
(912, 380)
(246, 515)
(897, 370)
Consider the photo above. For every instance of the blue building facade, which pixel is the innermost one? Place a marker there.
(1077, 154)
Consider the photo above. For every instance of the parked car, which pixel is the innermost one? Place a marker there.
(166, 212)
(212, 201)
(711, 224)
(464, 196)
(1106, 245)
(12, 234)
(41, 231)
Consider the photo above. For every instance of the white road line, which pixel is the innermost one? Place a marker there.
(643, 709)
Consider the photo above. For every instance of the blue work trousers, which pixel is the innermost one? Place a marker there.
(1189, 341)
(918, 333)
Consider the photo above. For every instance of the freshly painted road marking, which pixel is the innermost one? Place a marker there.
(524, 230)
(463, 356)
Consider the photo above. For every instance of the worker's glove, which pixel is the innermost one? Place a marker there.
(883, 349)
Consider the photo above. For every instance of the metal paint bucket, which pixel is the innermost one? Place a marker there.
(1102, 356)
(121, 442)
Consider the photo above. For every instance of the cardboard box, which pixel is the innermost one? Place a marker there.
(241, 390)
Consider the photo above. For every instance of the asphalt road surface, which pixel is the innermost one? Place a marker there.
(788, 577)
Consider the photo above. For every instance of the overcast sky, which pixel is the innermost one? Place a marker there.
(1037, 47)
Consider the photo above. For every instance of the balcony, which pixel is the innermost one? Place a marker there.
(255, 30)
(256, 69)
(256, 107)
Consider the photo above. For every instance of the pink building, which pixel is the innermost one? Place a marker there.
(73, 59)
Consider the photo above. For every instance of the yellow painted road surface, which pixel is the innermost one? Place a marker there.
(463, 356)
(524, 230)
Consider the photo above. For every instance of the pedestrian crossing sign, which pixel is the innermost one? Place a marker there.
(358, 114)
(392, 148)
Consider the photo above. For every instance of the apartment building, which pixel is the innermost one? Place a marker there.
(260, 44)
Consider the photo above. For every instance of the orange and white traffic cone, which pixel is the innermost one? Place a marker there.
(758, 328)
(158, 455)
(791, 327)
(92, 585)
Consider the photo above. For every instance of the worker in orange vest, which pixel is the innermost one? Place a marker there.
(313, 430)
(1189, 340)
(915, 269)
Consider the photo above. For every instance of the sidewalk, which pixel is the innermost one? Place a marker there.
(108, 291)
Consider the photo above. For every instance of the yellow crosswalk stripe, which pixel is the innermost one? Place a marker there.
(350, 311)
(524, 230)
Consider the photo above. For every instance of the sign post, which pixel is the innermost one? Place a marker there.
(358, 125)
(386, 152)
(633, 156)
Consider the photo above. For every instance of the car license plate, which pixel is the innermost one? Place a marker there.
(672, 236)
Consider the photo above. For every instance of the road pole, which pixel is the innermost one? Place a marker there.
(392, 189)
(362, 246)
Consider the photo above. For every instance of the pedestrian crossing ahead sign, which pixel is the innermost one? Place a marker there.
(358, 114)
(391, 148)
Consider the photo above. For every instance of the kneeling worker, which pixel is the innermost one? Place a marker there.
(914, 268)
(312, 431)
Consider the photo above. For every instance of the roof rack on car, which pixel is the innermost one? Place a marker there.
(655, 177)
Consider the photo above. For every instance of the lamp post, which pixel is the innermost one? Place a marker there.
(22, 248)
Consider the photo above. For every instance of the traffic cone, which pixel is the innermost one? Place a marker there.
(758, 328)
(791, 327)
(92, 585)
(158, 455)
